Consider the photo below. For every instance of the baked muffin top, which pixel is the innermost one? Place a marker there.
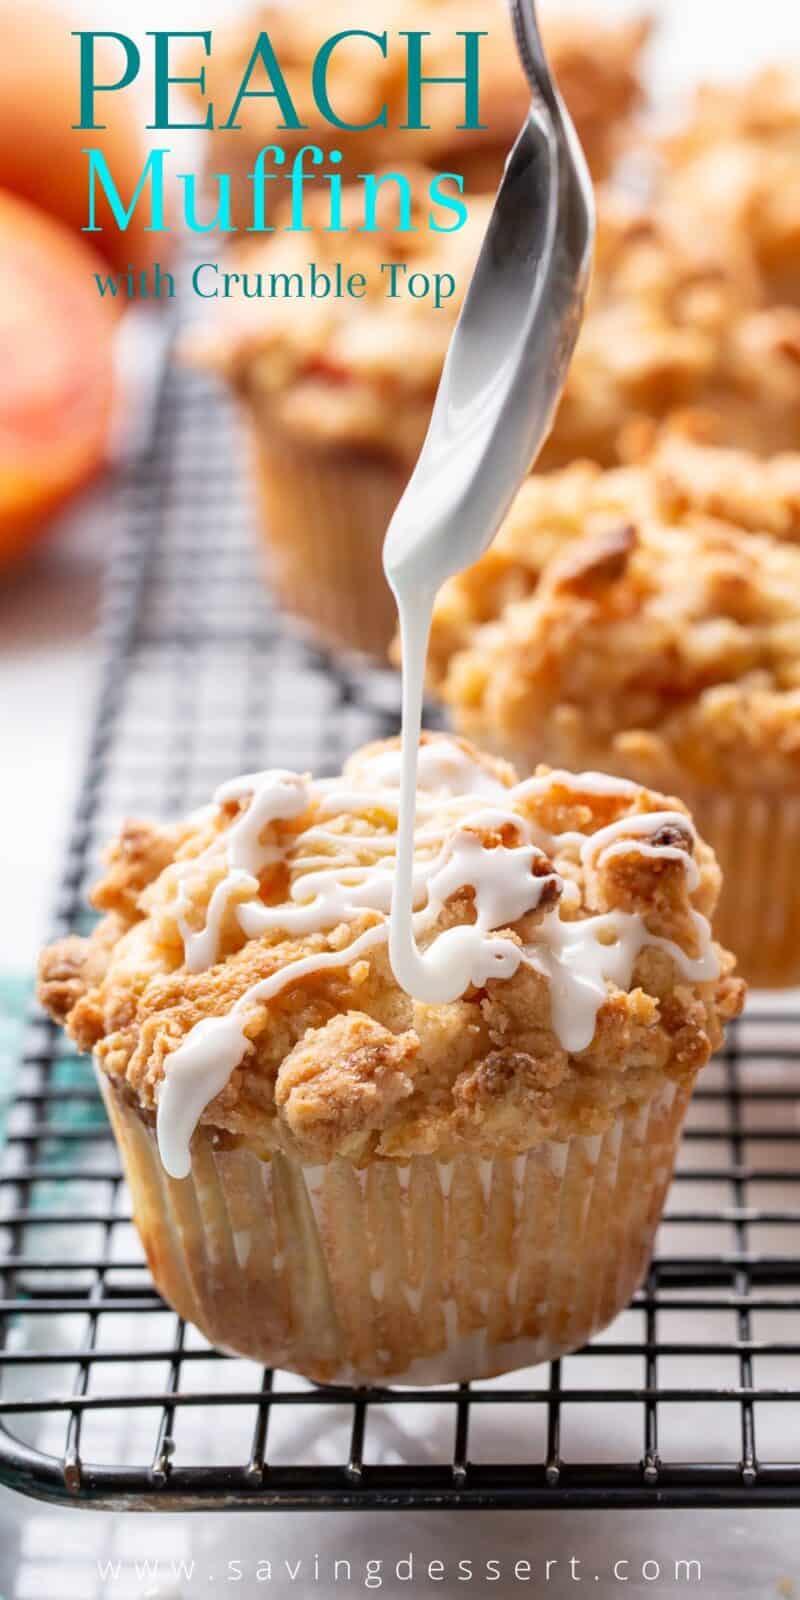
(240, 976)
(675, 321)
(632, 617)
(736, 162)
(596, 63)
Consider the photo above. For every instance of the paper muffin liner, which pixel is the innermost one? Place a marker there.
(756, 839)
(324, 514)
(427, 1273)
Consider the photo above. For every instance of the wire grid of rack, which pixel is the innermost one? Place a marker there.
(106, 1398)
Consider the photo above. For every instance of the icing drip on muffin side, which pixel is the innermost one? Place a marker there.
(459, 801)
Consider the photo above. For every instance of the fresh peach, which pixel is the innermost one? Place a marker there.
(56, 360)
(41, 153)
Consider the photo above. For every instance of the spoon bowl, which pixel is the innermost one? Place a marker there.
(502, 380)
(508, 358)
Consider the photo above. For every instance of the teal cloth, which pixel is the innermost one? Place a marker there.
(15, 996)
(68, 1071)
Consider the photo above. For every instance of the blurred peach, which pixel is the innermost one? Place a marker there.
(40, 151)
(56, 358)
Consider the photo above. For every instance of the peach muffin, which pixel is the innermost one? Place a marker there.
(674, 321)
(635, 620)
(596, 63)
(331, 1177)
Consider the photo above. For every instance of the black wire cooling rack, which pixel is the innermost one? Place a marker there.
(691, 1398)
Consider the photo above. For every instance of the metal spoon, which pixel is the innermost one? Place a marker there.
(508, 359)
(503, 376)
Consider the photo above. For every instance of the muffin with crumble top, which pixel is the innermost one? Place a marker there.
(646, 620)
(331, 1177)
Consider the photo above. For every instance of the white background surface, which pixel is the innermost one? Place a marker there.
(47, 665)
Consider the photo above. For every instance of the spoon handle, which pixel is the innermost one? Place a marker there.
(530, 49)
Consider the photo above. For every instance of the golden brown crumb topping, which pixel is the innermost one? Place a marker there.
(676, 321)
(736, 163)
(625, 618)
(339, 1059)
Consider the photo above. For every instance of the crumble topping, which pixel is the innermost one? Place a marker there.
(736, 162)
(632, 618)
(336, 1057)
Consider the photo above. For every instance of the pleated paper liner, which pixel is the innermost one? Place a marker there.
(427, 1273)
(324, 514)
(757, 843)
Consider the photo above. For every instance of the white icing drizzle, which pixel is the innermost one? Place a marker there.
(203, 1064)
(630, 834)
(274, 796)
(458, 800)
(201, 948)
(580, 958)
(195, 1074)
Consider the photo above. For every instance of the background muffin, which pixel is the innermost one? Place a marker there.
(626, 620)
(677, 319)
(697, 291)
(361, 1186)
(738, 157)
